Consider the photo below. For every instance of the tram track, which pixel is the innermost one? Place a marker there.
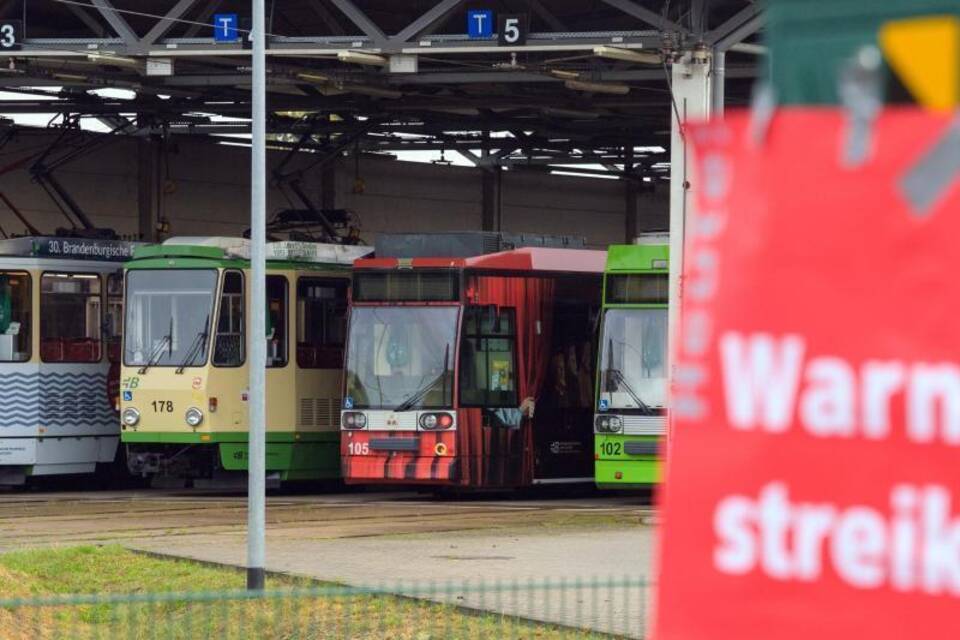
(67, 519)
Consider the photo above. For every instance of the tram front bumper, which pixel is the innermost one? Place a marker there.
(399, 457)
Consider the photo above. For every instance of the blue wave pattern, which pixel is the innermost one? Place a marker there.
(55, 400)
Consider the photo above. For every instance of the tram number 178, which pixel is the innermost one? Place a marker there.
(358, 448)
(162, 406)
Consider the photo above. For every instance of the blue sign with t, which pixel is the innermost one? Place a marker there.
(480, 23)
(225, 27)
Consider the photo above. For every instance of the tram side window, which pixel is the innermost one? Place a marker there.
(70, 317)
(488, 375)
(15, 316)
(276, 321)
(321, 323)
(228, 350)
(113, 322)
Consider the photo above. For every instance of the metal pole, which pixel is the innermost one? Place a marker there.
(718, 86)
(256, 490)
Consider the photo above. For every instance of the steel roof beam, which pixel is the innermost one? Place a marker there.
(166, 22)
(552, 21)
(326, 17)
(434, 16)
(360, 19)
(646, 15)
(203, 17)
(743, 23)
(116, 21)
(96, 27)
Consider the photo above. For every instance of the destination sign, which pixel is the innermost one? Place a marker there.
(72, 248)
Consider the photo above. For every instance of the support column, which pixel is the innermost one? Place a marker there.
(148, 189)
(692, 97)
(492, 199)
(718, 82)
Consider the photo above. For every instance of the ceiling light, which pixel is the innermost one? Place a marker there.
(583, 174)
(313, 77)
(356, 57)
(106, 58)
(564, 75)
(615, 53)
(597, 87)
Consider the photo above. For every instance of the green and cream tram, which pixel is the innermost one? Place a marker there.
(185, 376)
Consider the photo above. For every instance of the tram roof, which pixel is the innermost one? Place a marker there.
(65, 248)
(524, 259)
(228, 248)
(638, 257)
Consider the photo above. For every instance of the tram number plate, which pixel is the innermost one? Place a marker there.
(611, 448)
(162, 406)
(358, 448)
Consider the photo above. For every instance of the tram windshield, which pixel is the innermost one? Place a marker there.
(401, 358)
(168, 315)
(633, 360)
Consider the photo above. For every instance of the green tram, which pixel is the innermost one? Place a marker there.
(185, 371)
(632, 371)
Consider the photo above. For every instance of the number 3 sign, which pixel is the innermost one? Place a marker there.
(11, 34)
(512, 29)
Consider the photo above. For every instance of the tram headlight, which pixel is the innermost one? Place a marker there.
(431, 421)
(608, 424)
(130, 417)
(354, 420)
(193, 417)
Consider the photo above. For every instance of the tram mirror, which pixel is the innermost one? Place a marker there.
(611, 380)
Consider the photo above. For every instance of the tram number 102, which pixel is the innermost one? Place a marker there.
(358, 448)
(611, 448)
(162, 406)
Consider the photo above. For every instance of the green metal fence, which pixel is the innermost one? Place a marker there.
(529, 609)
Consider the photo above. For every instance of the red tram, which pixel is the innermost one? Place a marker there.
(473, 372)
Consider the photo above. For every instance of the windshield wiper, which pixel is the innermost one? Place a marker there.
(425, 389)
(622, 384)
(621, 381)
(199, 342)
(165, 341)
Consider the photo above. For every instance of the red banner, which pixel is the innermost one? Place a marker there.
(813, 480)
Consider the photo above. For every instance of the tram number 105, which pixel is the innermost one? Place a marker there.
(162, 406)
(358, 448)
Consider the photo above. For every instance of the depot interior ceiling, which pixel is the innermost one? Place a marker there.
(587, 84)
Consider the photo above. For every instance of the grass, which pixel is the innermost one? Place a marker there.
(294, 609)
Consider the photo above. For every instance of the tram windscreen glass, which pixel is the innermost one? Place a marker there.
(401, 358)
(70, 325)
(168, 313)
(638, 288)
(15, 316)
(406, 286)
(633, 358)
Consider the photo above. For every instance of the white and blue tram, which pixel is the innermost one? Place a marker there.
(61, 302)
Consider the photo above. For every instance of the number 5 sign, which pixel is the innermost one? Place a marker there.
(512, 29)
(11, 35)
